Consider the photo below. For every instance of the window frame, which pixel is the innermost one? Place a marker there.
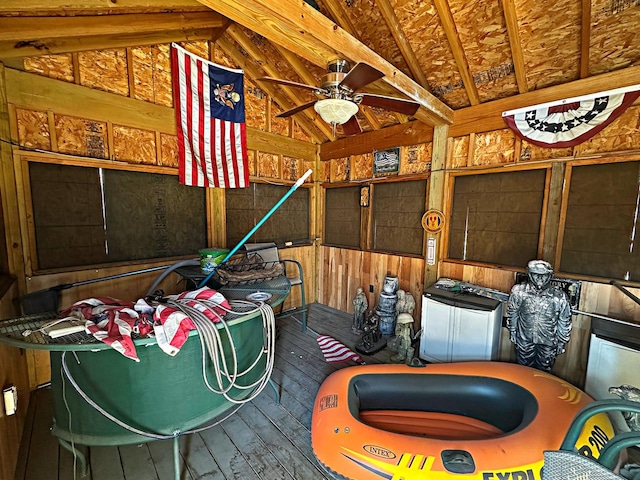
(564, 205)
(310, 211)
(366, 213)
(25, 205)
(448, 209)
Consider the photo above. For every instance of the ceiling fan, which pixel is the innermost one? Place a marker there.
(340, 86)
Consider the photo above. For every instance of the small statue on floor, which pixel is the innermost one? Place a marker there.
(402, 340)
(406, 303)
(360, 305)
(372, 341)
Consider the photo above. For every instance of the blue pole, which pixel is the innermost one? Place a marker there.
(232, 252)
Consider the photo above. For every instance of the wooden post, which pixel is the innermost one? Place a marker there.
(436, 194)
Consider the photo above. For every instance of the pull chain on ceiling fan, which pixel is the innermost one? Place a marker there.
(341, 103)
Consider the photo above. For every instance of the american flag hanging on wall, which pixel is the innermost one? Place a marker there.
(572, 121)
(210, 122)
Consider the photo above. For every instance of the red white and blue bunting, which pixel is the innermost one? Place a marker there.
(568, 122)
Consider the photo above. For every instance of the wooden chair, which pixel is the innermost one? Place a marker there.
(293, 271)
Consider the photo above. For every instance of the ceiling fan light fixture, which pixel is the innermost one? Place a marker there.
(335, 110)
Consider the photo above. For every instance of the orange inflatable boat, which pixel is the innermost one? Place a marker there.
(471, 420)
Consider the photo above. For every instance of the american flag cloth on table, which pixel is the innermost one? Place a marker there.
(571, 121)
(109, 320)
(210, 122)
(334, 351)
(172, 325)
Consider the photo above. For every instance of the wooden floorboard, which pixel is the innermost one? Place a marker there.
(262, 440)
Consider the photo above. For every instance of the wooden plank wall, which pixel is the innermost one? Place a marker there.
(342, 271)
(13, 371)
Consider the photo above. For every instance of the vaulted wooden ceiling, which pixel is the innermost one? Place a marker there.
(448, 55)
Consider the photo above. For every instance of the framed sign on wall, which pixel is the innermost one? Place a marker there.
(386, 162)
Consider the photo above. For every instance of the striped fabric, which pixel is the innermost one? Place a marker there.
(334, 351)
(210, 122)
(109, 320)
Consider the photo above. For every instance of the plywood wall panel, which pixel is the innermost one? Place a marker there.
(458, 152)
(291, 168)
(374, 31)
(482, 30)
(299, 133)
(77, 136)
(621, 135)
(169, 151)
(550, 38)
(340, 169)
(423, 29)
(496, 147)
(59, 67)
(415, 159)
(361, 166)
(530, 152)
(615, 40)
(268, 165)
(33, 129)
(133, 145)
(255, 105)
(152, 74)
(105, 70)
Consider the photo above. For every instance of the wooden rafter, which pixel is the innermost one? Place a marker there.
(513, 31)
(65, 7)
(304, 31)
(271, 70)
(276, 93)
(32, 28)
(585, 38)
(389, 15)
(11, 49)
(450, 30)
(340, 17)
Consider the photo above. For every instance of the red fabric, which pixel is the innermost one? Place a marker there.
(334, 351)
(210, 122)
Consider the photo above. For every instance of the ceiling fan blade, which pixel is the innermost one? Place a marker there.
(297, 109)
(360, 75)
(400, 105)
(288, 83)
(351, 127)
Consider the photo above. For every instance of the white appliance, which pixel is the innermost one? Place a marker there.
(614, 360)
(459, 326)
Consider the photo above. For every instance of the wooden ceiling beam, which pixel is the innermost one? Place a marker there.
(513, 31)
(488, 116)
(21, 29)
(35, 92)
(389, 15)
(306, 32)
(585, 38)
(450, 30)
(340, 17)
(11, 49)
(274, 92)
(65, 7)
(271, 70)
(411, 133)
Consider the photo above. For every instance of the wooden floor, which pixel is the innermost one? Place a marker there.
(263, 440)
